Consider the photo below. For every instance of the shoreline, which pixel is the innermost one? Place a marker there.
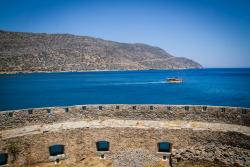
(27, 72)
(39, 72)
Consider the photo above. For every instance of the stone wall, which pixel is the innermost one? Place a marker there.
(133, 132)
(188, 145)
(213, 114)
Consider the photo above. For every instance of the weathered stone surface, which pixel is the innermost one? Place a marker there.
(132, 135)
(213, 114)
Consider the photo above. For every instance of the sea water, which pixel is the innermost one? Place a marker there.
(217, 87)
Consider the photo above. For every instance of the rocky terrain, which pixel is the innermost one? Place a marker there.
(219, 155)
(33, 52)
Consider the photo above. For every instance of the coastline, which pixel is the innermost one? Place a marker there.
(31, 72)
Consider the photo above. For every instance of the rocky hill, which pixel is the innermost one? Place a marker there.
(36, 52)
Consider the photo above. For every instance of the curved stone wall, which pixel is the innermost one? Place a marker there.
(215, 135)
(212, 114)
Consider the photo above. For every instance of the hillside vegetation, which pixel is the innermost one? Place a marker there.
(36, 52)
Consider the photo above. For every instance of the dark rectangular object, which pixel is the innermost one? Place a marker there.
(102, 146)
(56, 149)
(164, 147)
(223, 109)
(3, 159)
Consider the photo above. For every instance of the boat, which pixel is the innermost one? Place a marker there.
(174, 80)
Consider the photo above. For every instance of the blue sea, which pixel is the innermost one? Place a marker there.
(209, 86)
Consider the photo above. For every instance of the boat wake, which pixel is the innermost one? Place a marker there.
(133, 83)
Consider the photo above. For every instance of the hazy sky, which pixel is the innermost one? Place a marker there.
(215, 33)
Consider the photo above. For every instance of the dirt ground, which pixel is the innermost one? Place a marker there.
(92, 162)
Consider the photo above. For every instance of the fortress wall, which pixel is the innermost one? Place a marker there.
(213, 114)
(197, 145)
(132, 130)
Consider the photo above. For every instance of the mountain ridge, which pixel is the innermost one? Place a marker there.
(44, 52)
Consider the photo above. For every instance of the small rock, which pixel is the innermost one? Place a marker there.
(223, 148)
(197, 152)
(210, 154)
(178, 156)
(216, 159)
(182, 150)
(226, 154)
(217, 152)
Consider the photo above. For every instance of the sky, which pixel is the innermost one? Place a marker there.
(215, 33)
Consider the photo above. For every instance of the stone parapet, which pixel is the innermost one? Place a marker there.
(211, 114)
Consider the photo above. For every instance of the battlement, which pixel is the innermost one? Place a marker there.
(213, 114)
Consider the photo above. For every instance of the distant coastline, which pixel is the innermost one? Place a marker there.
(32, 72)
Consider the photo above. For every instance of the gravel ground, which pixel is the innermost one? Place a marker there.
(133, 158)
